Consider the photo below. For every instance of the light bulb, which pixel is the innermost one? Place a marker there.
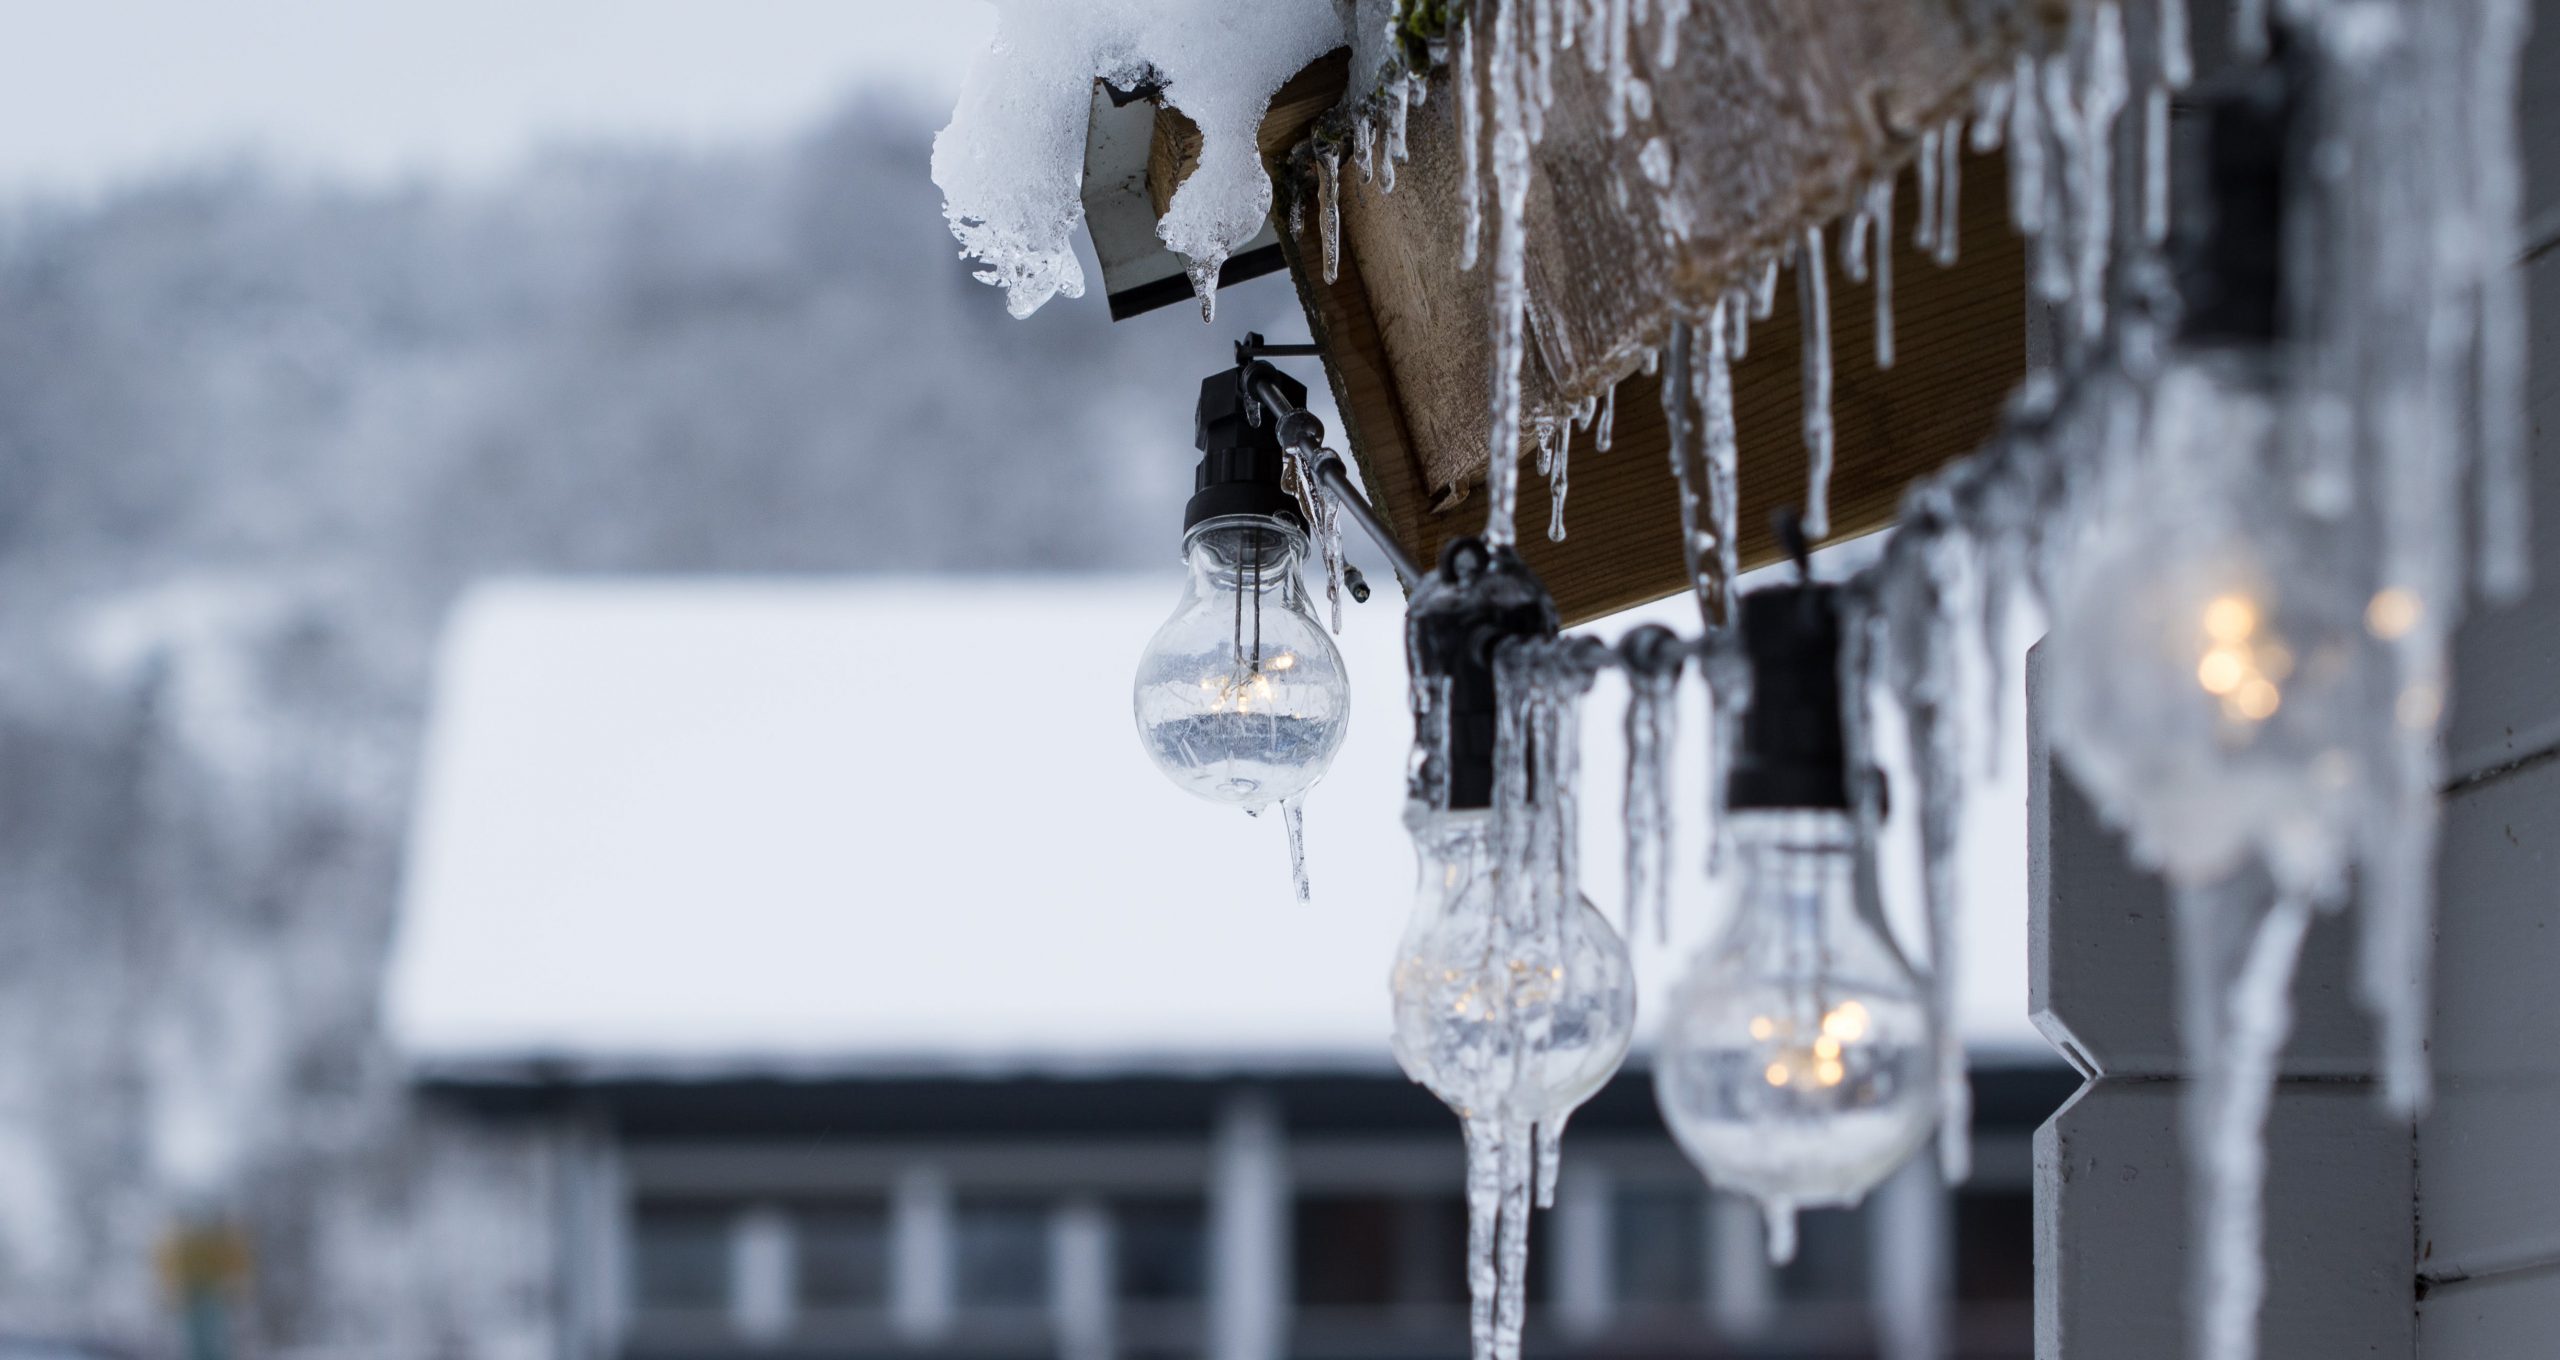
(1500, 1013)
(1798, 1062)
(1240, 696)
(2217, 658)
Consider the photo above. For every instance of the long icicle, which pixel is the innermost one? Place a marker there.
(1470, 137)
(1511, 1262)
(1950, 192)
(2249, 1013)
(1880, 207)
(1510, 276)
(1484, 1215)
(1293, 816)
(1813, 301)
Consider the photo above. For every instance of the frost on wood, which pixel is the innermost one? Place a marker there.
(1011, 163)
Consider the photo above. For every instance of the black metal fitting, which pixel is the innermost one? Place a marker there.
(1241, 454)
(1479, 598)
(1794, 749)
(2235, 164)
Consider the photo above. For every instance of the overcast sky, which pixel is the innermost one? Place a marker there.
(98, 92)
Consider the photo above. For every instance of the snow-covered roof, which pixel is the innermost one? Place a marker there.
(905, 825)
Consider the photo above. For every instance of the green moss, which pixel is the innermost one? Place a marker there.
(1421, 23)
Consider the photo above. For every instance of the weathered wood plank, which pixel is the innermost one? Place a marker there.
(1411, 352)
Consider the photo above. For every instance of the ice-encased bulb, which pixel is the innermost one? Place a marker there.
(1497, 1012)
(1798, 1064)
(1240, 696)
(2218, 653)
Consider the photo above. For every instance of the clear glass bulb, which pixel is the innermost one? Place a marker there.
(1241, 696)
(1798, 1062)
(1489, 1016)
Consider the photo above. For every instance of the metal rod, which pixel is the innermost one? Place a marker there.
(1302, 432)
(1337, 479)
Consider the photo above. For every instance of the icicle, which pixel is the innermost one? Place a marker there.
(2177, 63)
(1853, 243)
(1924, 230)
(1721, 442)
(1511, 1263)
(2236, 964)
(1542, 65)
(2155, 165)
(1813, 301)
(1329, 210)
(1543, 434)
(1558, 472)
(1950, 193)
(1324, 524)
(1925, 621)
(1510, 274)
(1676, 397)
(1470, 135)
(2249, 29)
(2026, 152)
(1667, 53)
(1881, 209)
(1737, 311)
(1621, 68)
(1651, 726)
(1652, 362)
(1608, 420)
(1781, 1215)
(1204, 283)
(1550, 1159)
(1364, 148)
(1764, 290)
(1990, 115)
(2502, 500)
(2092, 165)
(1293, 816)
(1484, 1214)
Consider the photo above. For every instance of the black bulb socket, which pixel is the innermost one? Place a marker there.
(1794, 747)
(1478, 599)
(1241, 455)
(2234, 163)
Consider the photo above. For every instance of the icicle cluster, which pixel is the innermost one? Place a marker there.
(1515, 1000)
(2253, 560)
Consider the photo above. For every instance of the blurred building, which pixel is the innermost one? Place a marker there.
(821, 970)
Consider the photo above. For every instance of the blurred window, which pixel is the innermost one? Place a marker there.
(1160, 1250)
(1831, 1258)
(1383, 1251)
(1659, 1247)
(1346, 1250)
(843, 1256)
(680, 1256)
(1003, 1248)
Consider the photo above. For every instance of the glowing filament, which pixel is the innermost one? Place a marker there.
(2393, 612)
